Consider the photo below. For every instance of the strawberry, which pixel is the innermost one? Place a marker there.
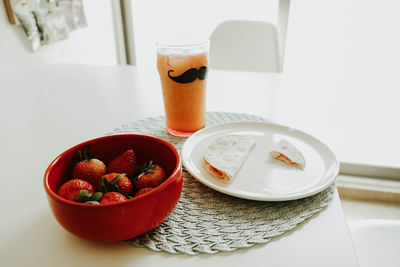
(122, 183)
(75, 190)
(87, 169)
(152, 175)
(143, 191)
(124, 163)
(113, 197)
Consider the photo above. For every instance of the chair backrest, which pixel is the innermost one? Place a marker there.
(244, 45)
(250, 45)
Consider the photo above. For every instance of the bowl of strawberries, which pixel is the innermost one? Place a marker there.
(115, 187)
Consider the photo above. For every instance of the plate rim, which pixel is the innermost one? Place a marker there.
(295, 196)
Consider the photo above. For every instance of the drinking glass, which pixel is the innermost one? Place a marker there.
(183, 71)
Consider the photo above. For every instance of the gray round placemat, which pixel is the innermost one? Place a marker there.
(206, 221)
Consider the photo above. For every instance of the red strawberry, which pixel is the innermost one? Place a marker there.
(90, 170)
(151, 176)
(124, 163)
(113, 197)
(76, 190)
(143, 191)
(123, 183)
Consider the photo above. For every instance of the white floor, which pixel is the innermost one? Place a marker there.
(374, 227)
(356, 210)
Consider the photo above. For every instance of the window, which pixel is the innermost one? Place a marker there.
(341, 55)
(352, 49)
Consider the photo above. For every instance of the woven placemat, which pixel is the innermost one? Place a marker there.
(206, 221)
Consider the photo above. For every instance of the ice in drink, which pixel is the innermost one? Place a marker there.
(183, 71)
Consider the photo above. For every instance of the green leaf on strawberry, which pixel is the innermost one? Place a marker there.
(92, 202)
(142, 170)
(84, 195)
(107, 186)
(87, 154)
(80, 157)
(96, 196)
(95, 199)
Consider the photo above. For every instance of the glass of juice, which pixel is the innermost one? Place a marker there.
(183, 71)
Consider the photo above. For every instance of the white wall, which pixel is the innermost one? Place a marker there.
(95, 44)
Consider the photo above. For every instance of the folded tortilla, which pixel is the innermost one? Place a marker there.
(225, 155)
(288, 153)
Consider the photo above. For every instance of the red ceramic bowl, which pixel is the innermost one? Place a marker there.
(119, 221)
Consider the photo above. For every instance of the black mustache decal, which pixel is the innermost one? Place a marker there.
(190, 75)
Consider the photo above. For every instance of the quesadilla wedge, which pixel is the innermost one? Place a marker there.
(289, 154)
(225, 155)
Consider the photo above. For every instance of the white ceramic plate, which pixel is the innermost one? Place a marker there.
(261, 177)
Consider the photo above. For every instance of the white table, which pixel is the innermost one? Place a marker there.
(45, 110)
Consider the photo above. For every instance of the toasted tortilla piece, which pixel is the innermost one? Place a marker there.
(225, 155)
(289, 154)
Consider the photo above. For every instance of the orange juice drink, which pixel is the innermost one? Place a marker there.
(183, 71)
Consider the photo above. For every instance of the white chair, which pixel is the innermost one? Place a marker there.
(250, 45)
